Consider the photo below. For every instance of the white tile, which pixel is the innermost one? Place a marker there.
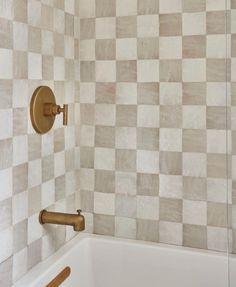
(122, 9)
(194, 70)
(171, 94)
(86, 8)
(147, 161)
(35, 173)
(59, 163)
(6, 60)
(194, 212)
(194, 117)
(171, 139)
(126, 49)
(148, 207)
(171, 232)
(194, 23)
(104, 203)
(6, 183)
(126, 183)
(126, 93)
(20, 207)
(170, 6)
(148, 26)
(148, 71)
(48, 193)
(35, 66)
(104, 159)
(19, 264)
(34, 228)
(148, 116)
(126, 138)
(59, 69)
(6, 130)
(166, 45)
(125, 227)
(106, 71)
(105, 114)
(105, 28)
(20, 150)
(194, 164)
(171, 186)
(6, 239)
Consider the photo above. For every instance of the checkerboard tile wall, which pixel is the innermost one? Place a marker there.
(153, 120)
(39, 45)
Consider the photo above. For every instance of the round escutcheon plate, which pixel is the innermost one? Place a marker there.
(41, 96)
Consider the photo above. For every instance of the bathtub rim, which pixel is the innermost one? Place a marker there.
(38, 271)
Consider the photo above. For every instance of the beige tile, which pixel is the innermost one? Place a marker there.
(217, 214)
(126, 71)
(170, 117)
(170, 25)
(87, 28)
(148, 48)
(170, 163)
(171, 232)
(195, 236)
(87, 71)
(170, 71)
(194, 188)
(126, 116)
(147, 230)
(148, 139)
(194, 93)
(194, 23)
(194, 47)
(105, 93)
(194, 140)
(104, 224)
(217, 165)
(105, 181)
(148, 93)
(6, 33)
(125, 205)
(171, 209)
(125, 160)
(190, 6)
(216, 118)
(104, 136)
(148, 6)
(87, 157)
(105, 8)
(216, 23)
(20, 10)
(216, 70)
(126, 27)
(105, 50)
(147, 184)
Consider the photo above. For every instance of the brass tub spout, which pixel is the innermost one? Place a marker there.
(75, 220)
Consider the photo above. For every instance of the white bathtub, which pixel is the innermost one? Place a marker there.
(98, 261)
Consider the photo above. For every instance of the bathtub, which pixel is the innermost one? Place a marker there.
(99, 261)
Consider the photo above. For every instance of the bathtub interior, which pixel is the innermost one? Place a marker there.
(97, 261)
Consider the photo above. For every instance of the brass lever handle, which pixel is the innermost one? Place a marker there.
(51, 109)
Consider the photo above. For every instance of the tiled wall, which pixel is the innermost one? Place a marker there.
(38, 46)
(153, 120)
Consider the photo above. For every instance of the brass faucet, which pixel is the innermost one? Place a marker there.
(75, 220)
